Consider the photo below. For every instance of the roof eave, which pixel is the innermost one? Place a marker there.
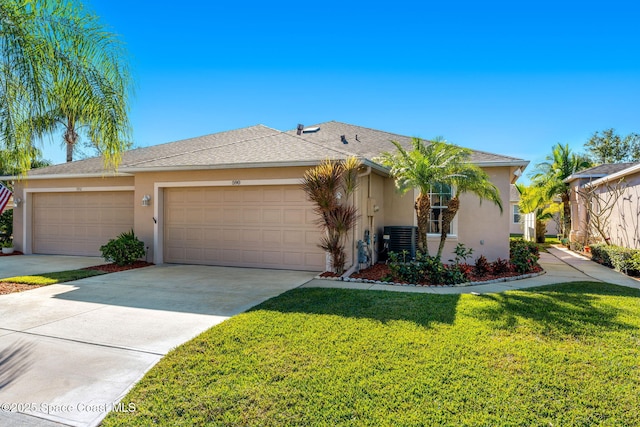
(620, 174)
(65, 176)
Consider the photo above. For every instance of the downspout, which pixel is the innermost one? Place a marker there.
(354, 255)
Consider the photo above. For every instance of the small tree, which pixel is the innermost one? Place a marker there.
(535, 200)
(427, 164)
(330, 186)
(599, 201)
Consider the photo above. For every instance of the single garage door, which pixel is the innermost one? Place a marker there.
(266, 227)
(79, 223)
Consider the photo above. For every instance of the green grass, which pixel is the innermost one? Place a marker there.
(53, 278)
(562, 355)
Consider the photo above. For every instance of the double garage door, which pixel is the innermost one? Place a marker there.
(257, 226)
(79, 223)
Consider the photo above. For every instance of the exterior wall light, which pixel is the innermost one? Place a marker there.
(16, 202)
(146, 200)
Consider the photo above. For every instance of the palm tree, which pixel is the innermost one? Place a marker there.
(535, 200)
(423, 167)
(466, 178)
(51, 52)
(92, 95)
(550, 175)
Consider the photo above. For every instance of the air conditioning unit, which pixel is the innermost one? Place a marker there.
(402, 238)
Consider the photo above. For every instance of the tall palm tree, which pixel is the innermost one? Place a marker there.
(422, 167)
(466, 178)
(90, 94)
(550, 175)
(44, 44)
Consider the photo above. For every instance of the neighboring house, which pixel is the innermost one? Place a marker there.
(234, 198)
(516, 219)
(622, 228)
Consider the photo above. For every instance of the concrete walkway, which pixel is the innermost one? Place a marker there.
(560, 265)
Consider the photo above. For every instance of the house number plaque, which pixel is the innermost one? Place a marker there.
(235, 182)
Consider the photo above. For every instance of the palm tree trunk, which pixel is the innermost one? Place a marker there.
(70, 137)
(447, 218)
(423, 212)
(567, 215)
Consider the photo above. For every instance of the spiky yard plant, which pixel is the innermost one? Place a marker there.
(329, 186)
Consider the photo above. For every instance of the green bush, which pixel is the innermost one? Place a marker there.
(524, 255)
(600, 254)
(124, 250)
(622, 259)
(6, 225)
(424, 269)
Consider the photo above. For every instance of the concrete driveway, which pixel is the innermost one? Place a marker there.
(69, 352)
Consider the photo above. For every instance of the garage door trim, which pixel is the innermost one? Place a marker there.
(158, 205)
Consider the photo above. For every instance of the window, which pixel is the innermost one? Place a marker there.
(440, 195)
(516, 214)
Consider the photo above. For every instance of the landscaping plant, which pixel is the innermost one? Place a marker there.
(124, 250)
(524, 255)
(330, 186)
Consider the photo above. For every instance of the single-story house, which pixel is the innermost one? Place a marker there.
(234, 198)
(617, 185)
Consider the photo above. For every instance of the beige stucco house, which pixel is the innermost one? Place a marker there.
(233, 198)
(617, 185)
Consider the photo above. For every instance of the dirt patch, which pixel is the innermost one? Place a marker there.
(113, 268)
(9, 288)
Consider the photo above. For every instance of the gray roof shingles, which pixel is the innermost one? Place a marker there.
(257, 145)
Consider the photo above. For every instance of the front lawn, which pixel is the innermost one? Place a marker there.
(563, 355)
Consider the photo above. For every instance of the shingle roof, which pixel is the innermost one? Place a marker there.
(370, 143)
(599, 171)
(258, 146)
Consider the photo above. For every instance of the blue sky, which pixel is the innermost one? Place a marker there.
(510, 77)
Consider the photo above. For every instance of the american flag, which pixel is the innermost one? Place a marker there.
(5, 194)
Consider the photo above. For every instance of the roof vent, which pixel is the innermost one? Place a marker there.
(344, 139)
(311, 130)
(300, 127)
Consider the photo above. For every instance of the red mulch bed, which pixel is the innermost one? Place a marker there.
(14, 253)
(379, 272)
(113, 268)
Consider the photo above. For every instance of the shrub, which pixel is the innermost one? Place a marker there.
(454, 274)
(124, 250)
(482, 266)
(622, 259)
(600, 254)
(523, 255)
(423, 268)
(576, 246)
(6, 224)
(501, 266)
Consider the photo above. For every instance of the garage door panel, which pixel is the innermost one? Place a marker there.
(79, 223)
(246, 226)
(272, 195)
(213, 216)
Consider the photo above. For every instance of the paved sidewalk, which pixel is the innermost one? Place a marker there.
(560, 265)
